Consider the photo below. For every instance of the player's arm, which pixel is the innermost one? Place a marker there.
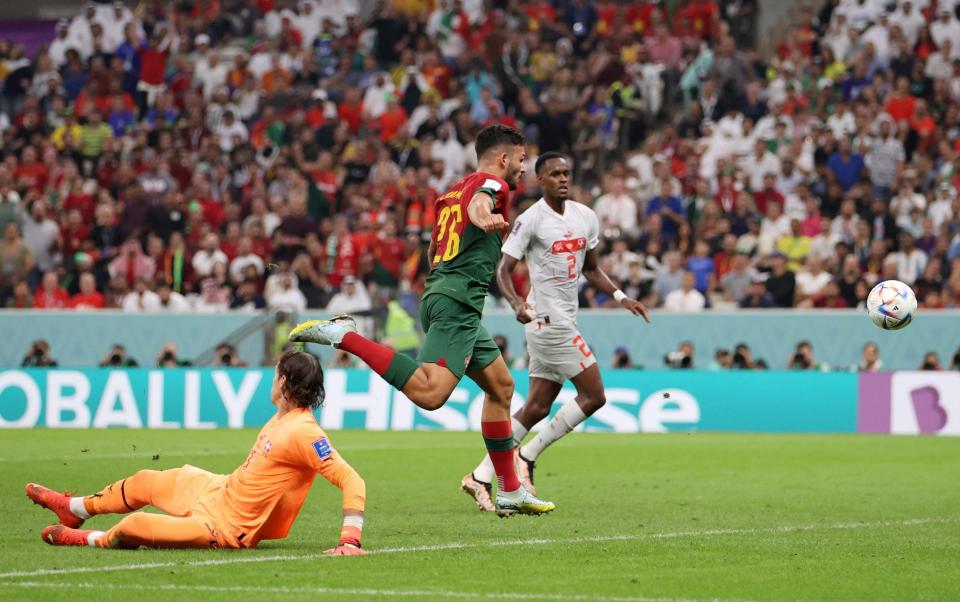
(431, 252)
(480, 212)
(599, 279)
(339, 473)
(505, 282)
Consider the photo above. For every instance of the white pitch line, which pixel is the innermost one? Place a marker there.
(391, 593)
(239, 559)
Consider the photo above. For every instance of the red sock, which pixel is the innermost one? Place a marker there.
(375, 355)
(498, 436)
(395, 368)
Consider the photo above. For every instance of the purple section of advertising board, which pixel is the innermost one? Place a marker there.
(873, 403)
(931, 416)
(31, 33)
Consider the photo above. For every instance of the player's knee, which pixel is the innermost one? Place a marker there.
(503, 393)
(592, 403)
(431, 399)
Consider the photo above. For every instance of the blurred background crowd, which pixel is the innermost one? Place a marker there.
(246, 154)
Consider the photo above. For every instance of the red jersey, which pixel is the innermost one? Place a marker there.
(464, 255)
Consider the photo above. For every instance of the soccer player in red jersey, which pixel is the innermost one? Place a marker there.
(464, 252)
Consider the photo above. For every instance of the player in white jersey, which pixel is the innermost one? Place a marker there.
(558, 237)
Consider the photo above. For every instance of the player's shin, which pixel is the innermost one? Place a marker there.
(484, 472)
(498, 437)
(395, 368)
(565, 420)
(126, 495)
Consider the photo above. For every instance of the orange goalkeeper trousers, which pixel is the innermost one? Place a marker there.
(172, 491)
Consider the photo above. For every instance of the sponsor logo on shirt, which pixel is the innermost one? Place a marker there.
(267, 446)
(569, 246)
(323, 449)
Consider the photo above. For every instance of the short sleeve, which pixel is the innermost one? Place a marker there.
(593, 229)
(518, 241)
(497, 188)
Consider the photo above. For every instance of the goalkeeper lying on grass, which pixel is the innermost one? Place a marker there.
(259, 500)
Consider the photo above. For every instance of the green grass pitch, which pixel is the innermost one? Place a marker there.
(699, 516)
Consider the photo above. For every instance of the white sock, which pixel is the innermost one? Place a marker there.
(567, 419)
(519, 431)
(78, 509)
(93, 537)
(484, 471)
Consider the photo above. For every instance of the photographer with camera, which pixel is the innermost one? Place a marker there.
(38, 356)
(167, 358)
(803, 359)
(621, 359)
(682, 358)
(226, 357)
(117, 358)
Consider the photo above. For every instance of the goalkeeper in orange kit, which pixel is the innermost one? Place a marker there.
(259, 500)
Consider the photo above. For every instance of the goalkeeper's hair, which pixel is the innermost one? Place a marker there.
(304, 384)
(494, 136)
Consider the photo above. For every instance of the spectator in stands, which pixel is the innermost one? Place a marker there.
(757, 296)
(682, 358)
(88, 296)
(931, 362)
(132, 264)
(208, 256)
(670, 276)
(38, 356)
(141, 298)
(170, 300)
(621, 359)
(686, 298)
(781, 283)
(288, 297)
(50, 295)
(353, 299)
(117, 358)
(803, 359)
(169, 358)
(869, 359)
(225, 356)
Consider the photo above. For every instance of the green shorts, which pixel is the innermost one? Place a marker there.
(455, 337)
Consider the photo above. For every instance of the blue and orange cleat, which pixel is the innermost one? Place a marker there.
(55, 501)
(58, 535)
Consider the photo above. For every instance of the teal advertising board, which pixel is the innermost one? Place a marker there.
(637, 401)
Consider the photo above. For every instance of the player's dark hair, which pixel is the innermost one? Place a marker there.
(493, 136)
(304, 384)
(542, 160)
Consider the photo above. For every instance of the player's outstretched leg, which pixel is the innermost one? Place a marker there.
(427, 385)
(146, 487)
(512, 498)
(136, 530)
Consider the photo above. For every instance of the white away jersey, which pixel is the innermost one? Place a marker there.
(555, 247)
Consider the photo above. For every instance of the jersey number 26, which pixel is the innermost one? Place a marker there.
(448, 240)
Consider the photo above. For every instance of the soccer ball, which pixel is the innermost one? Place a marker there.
(891, 305)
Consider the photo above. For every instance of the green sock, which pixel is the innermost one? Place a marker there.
(400, 370)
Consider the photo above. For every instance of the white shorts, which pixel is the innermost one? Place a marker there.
(557, 353)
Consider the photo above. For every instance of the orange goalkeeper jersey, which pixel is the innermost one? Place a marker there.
(261, 499)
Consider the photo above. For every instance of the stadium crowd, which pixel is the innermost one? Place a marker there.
(200, 156)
